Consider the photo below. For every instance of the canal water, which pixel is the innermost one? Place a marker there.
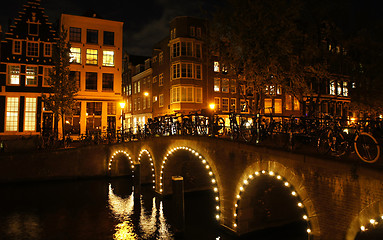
(104, 209)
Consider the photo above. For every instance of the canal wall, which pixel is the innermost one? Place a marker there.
(71, 163)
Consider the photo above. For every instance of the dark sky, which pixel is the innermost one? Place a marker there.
(145, 21)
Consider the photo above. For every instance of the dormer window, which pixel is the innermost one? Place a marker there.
(17, 47)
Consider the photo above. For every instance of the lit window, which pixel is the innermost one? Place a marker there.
(91, 56)
(138, 86)
(17, 47)
(12, 114)
(216, 66)
(175, 94)
(233, 86)
(279, 89)
(31, 78)
(233, 104)
(278, 106)
(296, 104)
(198, 74)
(345, 89)
(30, 114)
(111, 108)
(75, 55)
(154, 79)
(198, 95)
(332, 88)
(161, 79)
(74, 34)
(339, 88)
(161, 100)
(155, 98)
(108, 58)
(245, 106)
(217, 103)
(217, 85)
(14, 75)
(225, 104)
(32, 49)
(47, 49)
(138, 103)
(225, 85)
(186, 94)
(268, 105)
(289, 102)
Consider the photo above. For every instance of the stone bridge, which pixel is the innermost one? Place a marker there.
(254, 187)
(335, 199)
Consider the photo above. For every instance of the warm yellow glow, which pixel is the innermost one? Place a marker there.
(146, 94)
(363, 228)
(372, 221)
(305, 217)
(293, 193)
(308, 230)
(300, 205)
(212, 106)
(124, 231)
(122, 104)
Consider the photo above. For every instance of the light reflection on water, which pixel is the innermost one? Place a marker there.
(123, 209)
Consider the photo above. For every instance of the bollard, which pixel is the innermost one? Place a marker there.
(178, 204)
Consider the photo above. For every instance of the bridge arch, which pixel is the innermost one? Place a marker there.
(152, 167)
(208, 165)
(289, 180)
(114, 155)
(366, 220)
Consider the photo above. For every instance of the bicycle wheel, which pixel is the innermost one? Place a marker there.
(367, 148)
(246, 131)
(338, 144)
(220, 126)
(324, 143)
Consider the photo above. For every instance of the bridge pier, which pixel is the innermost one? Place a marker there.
(178, 204)
(137, 183)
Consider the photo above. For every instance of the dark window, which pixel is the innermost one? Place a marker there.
(91, 81)
(75, 75)
(108, 38)
(94, 108)
(74, 34)
(107, 81)
(94, 112)
(91, 36)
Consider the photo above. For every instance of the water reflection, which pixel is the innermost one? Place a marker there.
(151, 224)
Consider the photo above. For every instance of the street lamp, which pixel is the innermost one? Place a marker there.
(212, 106)
(122, 105)
(146, 94)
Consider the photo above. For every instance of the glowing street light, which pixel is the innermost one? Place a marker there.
(146, 94)
(212, 106)
(122, 105)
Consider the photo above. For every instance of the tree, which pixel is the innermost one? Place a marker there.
(63, 88)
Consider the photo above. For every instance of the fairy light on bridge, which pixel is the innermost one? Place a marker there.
(371, 223)
(115, 154)
(144, 151)
(285, 183)
(213, 179)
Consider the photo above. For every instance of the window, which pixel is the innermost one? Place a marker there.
(192, 31)
(108, 38)
(217, 103)
(186, 49)
(225, 85)
(107, 81)
(187, 70)
(217, 85)
(74, 34)
(278, 106)
(268, 105)
(147, 63)
(296, 104)
(198, 74)
(198, 32)
(32, 49)
(173, 33)
(216, 66)
(12, 114)
(289, 102)
(176, 71)
(17, 44)
(91, 81)
(198, 95)
(198, 53)
(161, 79)
(345, 89)
(154, 98)
(176, 50)
(339, 88)
(93, 112)
(154, 59)
(30, 114)
(160, 57)
(46, 77)
(154, 79)
(91, 36)
(138, 104)
(91, 56)
(31, 76)
(47, 49)
(175, 94)
(111, 108)
(245, 106)
(233, 104)
(138, 86)
(75, 55)
(161, 100)
(186, 94)
(13, 75)
(233, 86)
(135, 87)
(108, 58)
(33, 29)
(332, 88)
(279, 90)
(225, 104)
(135, 104)
(72, 123)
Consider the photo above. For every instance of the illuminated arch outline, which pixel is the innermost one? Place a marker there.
(116, 153)
(371, 223)
(207, 166)
(251, 177)
(151, 164)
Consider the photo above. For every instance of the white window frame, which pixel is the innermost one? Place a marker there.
(14, 47)
(48, 46)
(108, 58)
(12, 114)
(10, 75)
(30, 112)
(161, 100)
(29, 46)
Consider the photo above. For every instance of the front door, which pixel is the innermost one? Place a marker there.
(47, 124)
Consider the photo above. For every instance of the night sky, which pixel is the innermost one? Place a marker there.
(146, 22)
